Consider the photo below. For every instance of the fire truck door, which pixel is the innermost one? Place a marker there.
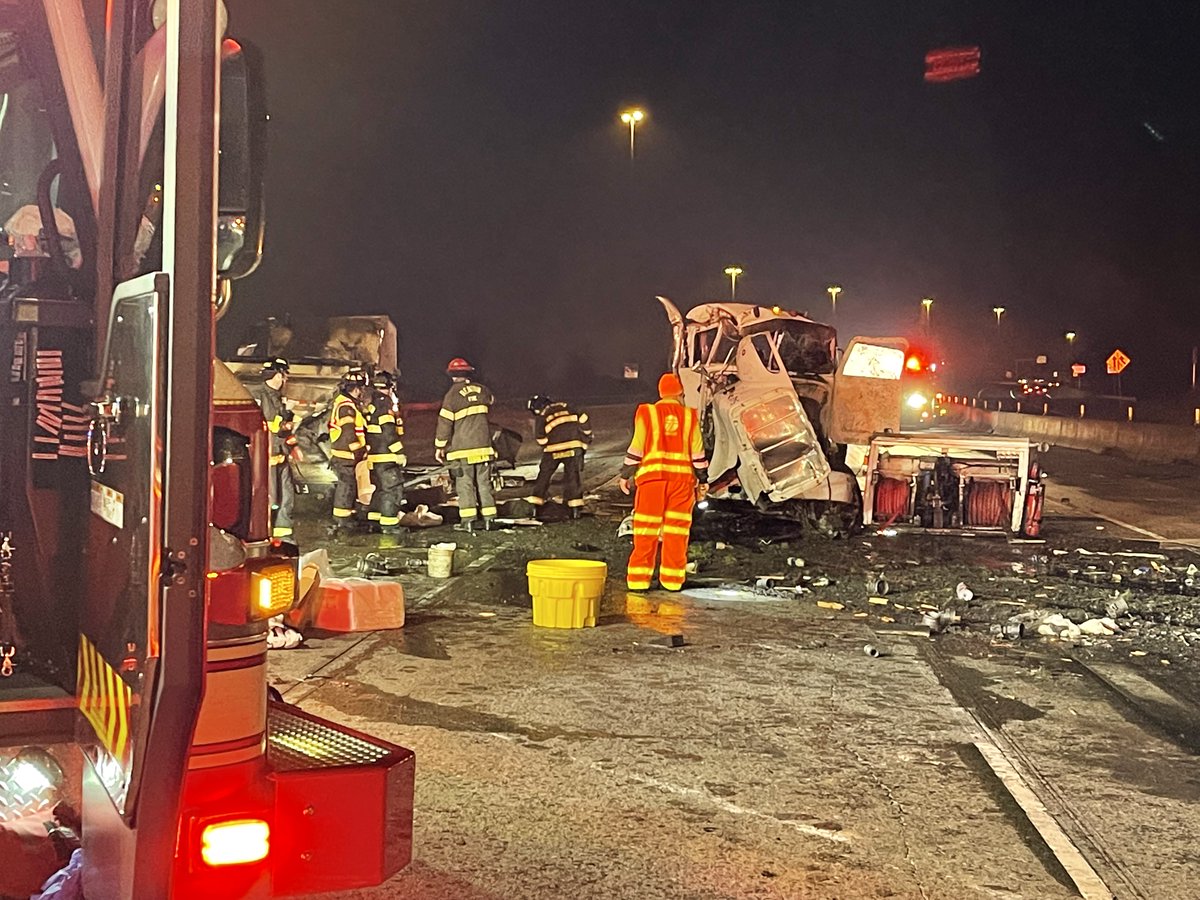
(119, 637)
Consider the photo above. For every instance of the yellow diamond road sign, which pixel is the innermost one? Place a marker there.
(1117, 362)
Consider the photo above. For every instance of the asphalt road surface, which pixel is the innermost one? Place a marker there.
(769, 756)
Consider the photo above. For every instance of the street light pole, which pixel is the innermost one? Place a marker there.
(733, 272)
(834, 290)
(632, 118)
(1070, 336)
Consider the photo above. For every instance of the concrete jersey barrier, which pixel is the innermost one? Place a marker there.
(1141, 441)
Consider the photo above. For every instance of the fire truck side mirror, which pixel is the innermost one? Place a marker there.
(241, 207)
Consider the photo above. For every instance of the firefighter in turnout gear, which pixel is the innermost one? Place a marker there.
(666, 461)
(464, 442)
(564, 435)
(269, 396)
(385, 453)
(347, 443)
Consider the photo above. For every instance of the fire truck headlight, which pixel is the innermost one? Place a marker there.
(36, 770)
(272, 591)
(916, 401)
(236, 842)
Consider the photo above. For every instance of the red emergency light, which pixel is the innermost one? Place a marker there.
(914, 364)
(951, 64)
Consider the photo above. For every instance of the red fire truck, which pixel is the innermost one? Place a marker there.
(136, 572)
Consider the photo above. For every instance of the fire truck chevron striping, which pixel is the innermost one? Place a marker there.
(104, 699)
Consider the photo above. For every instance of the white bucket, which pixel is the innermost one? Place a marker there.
(441, 560)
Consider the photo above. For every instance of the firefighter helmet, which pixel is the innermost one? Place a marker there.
(459, 366)
(537, 404)
(383, 380)
(353, 379)
(278, 364)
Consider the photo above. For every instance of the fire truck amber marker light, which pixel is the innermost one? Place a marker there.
(272, 591)
(235, 843)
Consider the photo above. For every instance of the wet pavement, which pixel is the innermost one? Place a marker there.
(769, 756)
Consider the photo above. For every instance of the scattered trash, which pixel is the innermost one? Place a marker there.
(1013, 630)
(820, 582)
(372, 565)
(872, 651)
(963, 593)
(878, 584)
(939, 621)
(1059, 626)
(877, 601)
(1100, 627)
(795, 562)
(1137, 652)
(768, 581)
(1116, 607)
(886, 619)
(625, 529)
(421, 517)
(719, 545)
(888, 532)
(830, 604)
(281, 636)
(692, 567)
(671, 640)
(487, 615)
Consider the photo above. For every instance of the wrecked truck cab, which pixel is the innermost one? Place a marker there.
(766, 381)
(798, 431)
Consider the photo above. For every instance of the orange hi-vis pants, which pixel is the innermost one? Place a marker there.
(661, 507)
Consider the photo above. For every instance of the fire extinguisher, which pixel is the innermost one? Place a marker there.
(1033, 502)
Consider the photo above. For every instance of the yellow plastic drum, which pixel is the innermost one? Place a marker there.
(566, 592)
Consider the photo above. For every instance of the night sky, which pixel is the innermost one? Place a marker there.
(458, 165)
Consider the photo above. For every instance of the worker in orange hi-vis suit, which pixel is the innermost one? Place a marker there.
(666, 462)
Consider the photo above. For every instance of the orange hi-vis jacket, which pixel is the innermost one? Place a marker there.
(666, 444)
(347, 430)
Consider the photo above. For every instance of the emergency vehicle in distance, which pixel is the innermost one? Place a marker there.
(799, 430)
(136, 571)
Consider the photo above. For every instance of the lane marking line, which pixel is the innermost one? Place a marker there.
(1087, 882)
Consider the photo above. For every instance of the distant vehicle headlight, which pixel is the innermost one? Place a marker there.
(915, 401)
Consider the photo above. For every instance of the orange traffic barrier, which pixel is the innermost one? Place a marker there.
(359, 604)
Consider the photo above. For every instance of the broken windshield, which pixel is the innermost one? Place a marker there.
(806, 348)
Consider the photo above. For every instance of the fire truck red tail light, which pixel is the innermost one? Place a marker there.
(913, 364)
(235, 842)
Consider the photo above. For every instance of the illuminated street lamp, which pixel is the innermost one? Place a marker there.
(1070, 336)
(733, 272)
(632, 118)
(834, 290)
(926, 304)
(999, 311)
